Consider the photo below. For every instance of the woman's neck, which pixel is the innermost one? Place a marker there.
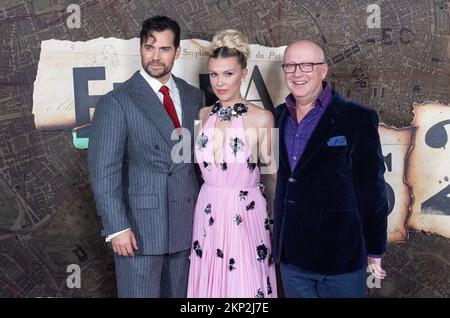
(232, 102)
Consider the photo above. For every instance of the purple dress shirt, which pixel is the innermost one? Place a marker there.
(296, 135)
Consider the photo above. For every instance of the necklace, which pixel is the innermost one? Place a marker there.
(226, 113)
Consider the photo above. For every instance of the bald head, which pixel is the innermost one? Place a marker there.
(305, 69)
(310, 48)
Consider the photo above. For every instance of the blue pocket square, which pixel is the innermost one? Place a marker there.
(337, 141)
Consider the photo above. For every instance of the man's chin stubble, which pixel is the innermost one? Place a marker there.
(158, 75)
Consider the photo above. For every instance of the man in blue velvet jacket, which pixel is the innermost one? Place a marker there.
(330, 203)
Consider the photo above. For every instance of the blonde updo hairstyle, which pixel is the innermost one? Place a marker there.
(229, 43)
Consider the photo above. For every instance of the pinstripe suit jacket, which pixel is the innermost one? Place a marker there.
(135, 182)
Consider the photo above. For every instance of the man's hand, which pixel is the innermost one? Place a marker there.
(375, 267)
(124, 244)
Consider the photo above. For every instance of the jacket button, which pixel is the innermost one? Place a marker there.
(291, 180)
(157, 147)
(170, 174)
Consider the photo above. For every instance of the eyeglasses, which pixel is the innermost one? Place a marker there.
(304, 67)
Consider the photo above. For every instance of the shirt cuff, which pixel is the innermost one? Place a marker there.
(375, 255)
(111, 236)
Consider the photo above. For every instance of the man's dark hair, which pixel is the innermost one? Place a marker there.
(158, 24)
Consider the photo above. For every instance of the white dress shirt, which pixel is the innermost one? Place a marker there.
(174, 94)
(173, 91)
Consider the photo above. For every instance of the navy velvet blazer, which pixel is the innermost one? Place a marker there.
(331, 211)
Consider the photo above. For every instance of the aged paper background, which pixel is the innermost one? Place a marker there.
(428, 170)
(395, 144)
(53, 97)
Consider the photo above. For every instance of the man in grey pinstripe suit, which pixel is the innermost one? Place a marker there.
(144, 199)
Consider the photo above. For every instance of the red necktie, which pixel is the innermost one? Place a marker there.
(170, 107)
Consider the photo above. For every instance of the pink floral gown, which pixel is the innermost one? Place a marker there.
(231, 248)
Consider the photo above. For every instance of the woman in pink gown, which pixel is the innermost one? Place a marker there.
(231, 247)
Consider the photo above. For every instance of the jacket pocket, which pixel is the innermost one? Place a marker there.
(333, 149)
(337, 235)
(143, 201)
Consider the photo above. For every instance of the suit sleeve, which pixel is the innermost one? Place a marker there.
(107, 144)
(368, 169)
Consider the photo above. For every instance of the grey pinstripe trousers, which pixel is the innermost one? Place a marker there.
(152, 276)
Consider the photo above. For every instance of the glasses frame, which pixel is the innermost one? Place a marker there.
(299, 65)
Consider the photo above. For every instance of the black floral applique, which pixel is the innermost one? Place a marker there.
(237, 219)
(267, 223)
(208, 208)
(243, 194)
(250, 164)
(269, 287)
(261, 251)
(223, 166)
(219, 253)
(217, 105)
(207, 165)
(231, 266)
(211, 221)
(202, 141)
(240, 108)
(197, 249)
(261, 186)
(250, 206)
(226, 113)
(259, 294)
(236, 145)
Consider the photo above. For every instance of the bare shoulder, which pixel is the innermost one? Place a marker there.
(260, 117)
(203, 113)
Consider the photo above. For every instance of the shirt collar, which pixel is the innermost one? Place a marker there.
(155, 84)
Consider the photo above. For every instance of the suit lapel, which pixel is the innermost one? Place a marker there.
(187, 114)
(152, 106)
(320, 134)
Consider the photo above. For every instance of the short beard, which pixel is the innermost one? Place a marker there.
(161, 74)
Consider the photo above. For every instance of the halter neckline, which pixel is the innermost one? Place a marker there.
(226, 113)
